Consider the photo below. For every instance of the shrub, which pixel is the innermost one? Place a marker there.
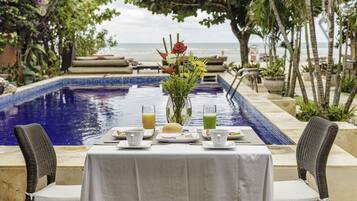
(307, 110)
(307, 69)
(247, 65)
(338, 113)
(311, 109)
(348, 84)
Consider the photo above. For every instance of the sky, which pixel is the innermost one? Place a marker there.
(138, 25)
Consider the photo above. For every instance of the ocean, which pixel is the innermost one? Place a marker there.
(146, 52)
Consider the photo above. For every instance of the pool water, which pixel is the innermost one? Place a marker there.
(76, 115)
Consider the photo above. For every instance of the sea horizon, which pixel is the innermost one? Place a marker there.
(146, 52)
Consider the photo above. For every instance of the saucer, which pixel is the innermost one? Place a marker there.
(177, 137)
(209, 145)
(124, 145)
(119, 133)
(234, 133)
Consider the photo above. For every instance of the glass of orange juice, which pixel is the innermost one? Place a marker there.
(148, 117)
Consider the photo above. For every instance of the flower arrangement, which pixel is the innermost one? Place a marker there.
(184, 73)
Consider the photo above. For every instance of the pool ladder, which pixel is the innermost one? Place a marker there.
(252, 73)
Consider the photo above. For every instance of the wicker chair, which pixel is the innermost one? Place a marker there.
(312, 152)
(40, 158)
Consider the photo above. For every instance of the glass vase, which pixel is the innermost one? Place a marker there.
(178, 110)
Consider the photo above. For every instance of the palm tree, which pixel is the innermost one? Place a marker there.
(309, 62)
(310, 17)
(290, 49)
(338, 87)
(350, 99)
(331, 29)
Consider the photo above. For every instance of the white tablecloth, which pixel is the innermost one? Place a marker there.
(178, 172)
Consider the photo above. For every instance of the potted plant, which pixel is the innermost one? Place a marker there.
(306, 69)
(274, 77)
(184, 73)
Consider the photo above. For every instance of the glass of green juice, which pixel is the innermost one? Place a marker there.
(209, 116)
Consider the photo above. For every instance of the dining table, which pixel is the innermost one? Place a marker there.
(179, 172)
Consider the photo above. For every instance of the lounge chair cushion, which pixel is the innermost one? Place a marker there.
(215, 68)
(101, 70)
(87, 58)
(98, 63)
(296, 190)
(54, 192)
(213, 60)
(100, 58)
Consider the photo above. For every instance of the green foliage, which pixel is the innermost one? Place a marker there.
(348, 84)
(307, 110)
(311, 109)
(307, 68)
(7, 39)
(347, 18)
(218, 12)
(90, 42)
(338, 113)
(231, 66)
(45, 33)
(257, 65)
(274, 70)
(35, 64)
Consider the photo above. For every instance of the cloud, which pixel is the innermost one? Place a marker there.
(138, 25)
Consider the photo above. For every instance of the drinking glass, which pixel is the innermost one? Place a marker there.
(148, 117)
(209, 116)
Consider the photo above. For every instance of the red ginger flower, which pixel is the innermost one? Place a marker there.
(179, 48)
(168, 70)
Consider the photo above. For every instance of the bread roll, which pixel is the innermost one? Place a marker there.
(172, 128)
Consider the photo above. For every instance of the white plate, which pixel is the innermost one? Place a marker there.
(147, 132)
(124, 145)
(209, 145)
(230, 137)
(171, 137)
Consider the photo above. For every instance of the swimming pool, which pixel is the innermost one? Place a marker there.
(77, 111)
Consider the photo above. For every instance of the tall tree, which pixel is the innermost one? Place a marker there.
(312, 80)
(290, 49)
(331, 31)
(310, 18)
(234, 11)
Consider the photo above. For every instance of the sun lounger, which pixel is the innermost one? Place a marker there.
(215, 64)
(101, 64)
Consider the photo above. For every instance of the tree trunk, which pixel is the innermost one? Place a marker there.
(309, 63)
(296, 55)
(350, 99)
(331, 31)
(288, 45)
(320, 87)
(292, 85)
(243, 38)
(19, 67)
(243, 45)
(290, 63)
(338, 88)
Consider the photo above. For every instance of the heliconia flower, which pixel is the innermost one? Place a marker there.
(168, 70)
(179, 48)
(162, 54)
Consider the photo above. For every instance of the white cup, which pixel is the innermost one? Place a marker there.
(134, 136)
(219, 137)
